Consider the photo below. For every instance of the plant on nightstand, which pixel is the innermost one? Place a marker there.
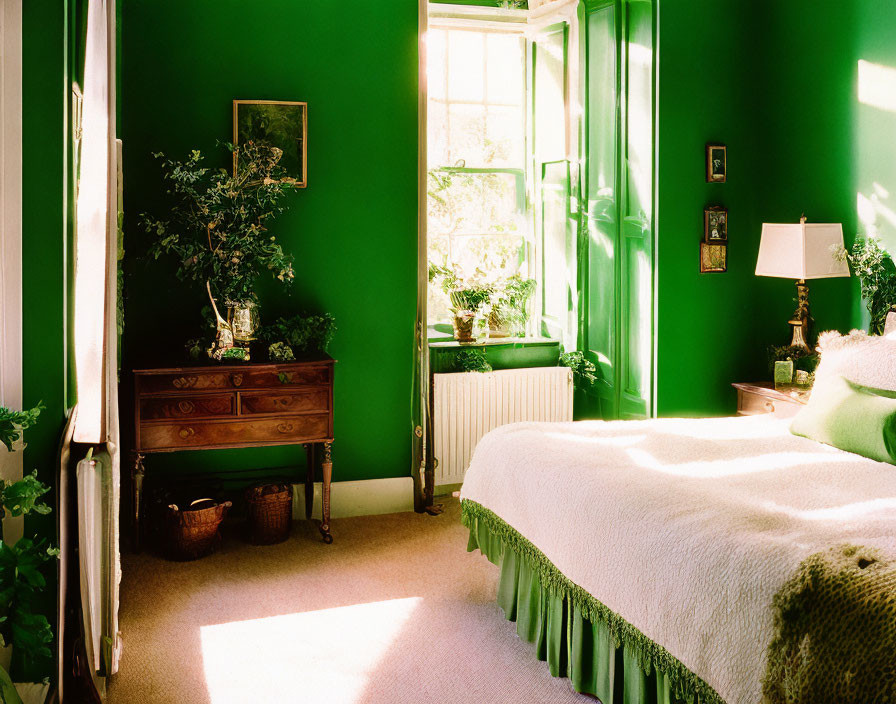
(28, 633)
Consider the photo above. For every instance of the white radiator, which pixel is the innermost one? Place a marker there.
(466, 406)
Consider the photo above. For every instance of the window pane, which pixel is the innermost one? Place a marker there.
(504, 137)
(466, 135)
(436, 135)
(492, 257)
(435, 63)
(505, 69)
(462, 203)
(466, 66)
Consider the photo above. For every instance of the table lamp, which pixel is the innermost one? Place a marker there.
(801, 251)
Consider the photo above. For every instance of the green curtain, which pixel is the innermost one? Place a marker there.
(562, 627)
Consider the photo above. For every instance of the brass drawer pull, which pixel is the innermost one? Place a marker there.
(283, 401)
(237, 379)
(185, 382)
(770, 406)
(285, 427)
(186, 433)
(186, 407)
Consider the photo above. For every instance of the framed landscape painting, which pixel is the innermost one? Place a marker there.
(281, 124)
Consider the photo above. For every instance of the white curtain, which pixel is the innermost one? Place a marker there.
(96, 337)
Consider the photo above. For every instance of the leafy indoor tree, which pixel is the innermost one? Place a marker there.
(217, 225)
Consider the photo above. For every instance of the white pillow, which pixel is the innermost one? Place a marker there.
(868, 360)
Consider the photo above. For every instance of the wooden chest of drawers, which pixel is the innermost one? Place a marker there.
(249, 405)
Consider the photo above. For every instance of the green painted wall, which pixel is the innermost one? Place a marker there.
(781, 100)
(837, 124)
(352, 231)
(44, 222)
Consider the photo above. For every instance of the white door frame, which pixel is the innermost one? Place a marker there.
(11, 228)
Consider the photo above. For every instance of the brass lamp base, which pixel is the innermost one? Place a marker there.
(801, 320)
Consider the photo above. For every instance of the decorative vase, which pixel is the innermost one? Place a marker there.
(242, 317)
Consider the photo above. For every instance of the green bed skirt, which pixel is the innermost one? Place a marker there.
(579, 637)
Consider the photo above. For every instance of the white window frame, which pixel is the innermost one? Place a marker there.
(11, 232)
(488, 20)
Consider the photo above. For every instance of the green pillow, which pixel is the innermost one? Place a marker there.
(850, 417)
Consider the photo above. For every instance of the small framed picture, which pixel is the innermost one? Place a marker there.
(715, 225)
(713, 258)
(278, 123)
(716, 163)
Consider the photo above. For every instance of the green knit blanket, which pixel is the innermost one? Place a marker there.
(835, 631)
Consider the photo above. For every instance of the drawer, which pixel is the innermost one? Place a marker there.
(274, 378)
(273, 431)
(185, 381)
(264, 402)
(750, 404)
(199, 406)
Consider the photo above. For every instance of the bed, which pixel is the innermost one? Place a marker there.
(645, 560)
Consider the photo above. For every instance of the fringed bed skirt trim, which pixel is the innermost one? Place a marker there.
(579, 637)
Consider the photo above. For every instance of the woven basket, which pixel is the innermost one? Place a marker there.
(192, 533)
(270, 513)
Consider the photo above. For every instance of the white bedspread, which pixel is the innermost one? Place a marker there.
(685, 528)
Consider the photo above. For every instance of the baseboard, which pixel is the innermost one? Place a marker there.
(366, 497)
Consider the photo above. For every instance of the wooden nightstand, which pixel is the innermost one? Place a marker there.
(762, 397)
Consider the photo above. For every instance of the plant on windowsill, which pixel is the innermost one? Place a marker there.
(26, 633)
(877, 275)
(510, 312)
(471, 303)
(217, 231)
(472, 360)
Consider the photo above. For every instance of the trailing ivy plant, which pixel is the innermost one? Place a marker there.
(216, 228)
(472, 360)
(583, 370)
(803, 359)
(877, 274)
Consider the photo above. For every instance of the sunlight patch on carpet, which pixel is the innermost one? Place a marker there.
(316, 656)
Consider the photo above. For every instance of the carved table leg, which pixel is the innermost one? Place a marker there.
(138, 473)
(311, 455)
(327, 467)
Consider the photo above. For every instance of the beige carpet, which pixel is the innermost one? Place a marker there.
(395, 610)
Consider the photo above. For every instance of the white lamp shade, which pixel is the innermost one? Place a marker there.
(801, 251)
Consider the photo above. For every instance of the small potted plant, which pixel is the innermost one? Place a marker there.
(510, 313)
(217, 231)
(471, 301)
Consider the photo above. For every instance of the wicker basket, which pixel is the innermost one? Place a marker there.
(270, 513)
(192, 533)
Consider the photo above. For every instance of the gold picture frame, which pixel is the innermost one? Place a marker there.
(280, 123)
(716, 163)
(713, 258)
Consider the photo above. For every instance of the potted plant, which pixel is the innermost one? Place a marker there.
(877, 274)
(217, 231)
(24, 632)
(471, 300)
(302, 334)
(510, 312)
